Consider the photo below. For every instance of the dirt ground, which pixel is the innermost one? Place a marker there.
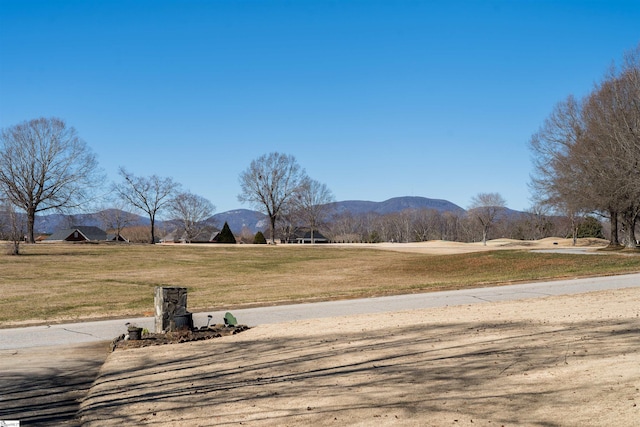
(555, 361)
(41, 386)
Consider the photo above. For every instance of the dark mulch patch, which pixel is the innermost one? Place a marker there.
(185, 335)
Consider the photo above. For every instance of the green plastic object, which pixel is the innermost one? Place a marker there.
(230, 320)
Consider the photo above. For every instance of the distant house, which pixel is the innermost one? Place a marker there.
(306, 238)
(116, 238)
(78, 234)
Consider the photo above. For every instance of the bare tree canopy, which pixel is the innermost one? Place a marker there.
(312, 203)
(486, 208)
(117, 217)
(587, 153)
(191, 211)
(149, 194)
(269, 183)
(44, 165)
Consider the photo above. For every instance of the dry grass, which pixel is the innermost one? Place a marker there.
(52, 282)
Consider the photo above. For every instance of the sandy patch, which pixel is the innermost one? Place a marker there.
(569, 360)
(442, 247)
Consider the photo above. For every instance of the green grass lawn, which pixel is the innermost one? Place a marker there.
(54, 282)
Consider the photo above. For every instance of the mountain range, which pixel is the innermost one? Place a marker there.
(255, 221)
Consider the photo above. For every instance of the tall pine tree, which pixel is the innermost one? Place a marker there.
(225, 236)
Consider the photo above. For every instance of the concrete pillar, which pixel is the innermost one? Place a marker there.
(170, 302)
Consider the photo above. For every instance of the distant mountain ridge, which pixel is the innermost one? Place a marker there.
(48, 224)
(396, 204)
(257, 221)
(239, 219)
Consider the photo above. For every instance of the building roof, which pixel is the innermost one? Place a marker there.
(113, 237)
(86, 233)
(305, 236)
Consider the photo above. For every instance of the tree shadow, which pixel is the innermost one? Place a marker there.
(482, 371)
(47, 391)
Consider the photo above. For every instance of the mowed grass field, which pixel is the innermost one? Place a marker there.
(64, 282)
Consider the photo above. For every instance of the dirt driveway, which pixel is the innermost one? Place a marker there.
(556, 361)
(42, 386)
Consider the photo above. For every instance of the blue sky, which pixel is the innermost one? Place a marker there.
(376, 99)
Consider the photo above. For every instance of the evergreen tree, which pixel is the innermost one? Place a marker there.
(259, 239)
(590, 227)
(225, 236)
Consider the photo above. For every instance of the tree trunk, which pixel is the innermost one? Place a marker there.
(153, 229)
(272, 219)
(629, 219)
(630, 238)
(574, 230)
(31, 221)
(613, 235)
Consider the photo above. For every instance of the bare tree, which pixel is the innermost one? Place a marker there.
(11, 225)
(399, 225)
(287, 223)
(5, 217)
(426, 225)
(312, 202)
(136, 233)
(149, 194)
(191, 211)
(348, 228)
(450, 228)
(551, 181)
(538, 223)
(117, 217)
(587, 153)
(368, 227)
(486, 209)
(612, 116)
(573, 167)
(269, 183)
(246, 235)
(44, 165)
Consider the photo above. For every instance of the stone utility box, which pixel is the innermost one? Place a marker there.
(171, 309)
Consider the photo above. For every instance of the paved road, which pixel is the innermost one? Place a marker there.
(87, 332)
(572, 251)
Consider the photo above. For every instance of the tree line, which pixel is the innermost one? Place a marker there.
(45, 166)
(419, 225)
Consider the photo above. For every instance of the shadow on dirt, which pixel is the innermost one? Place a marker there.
(495, 372)
(43, 386)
